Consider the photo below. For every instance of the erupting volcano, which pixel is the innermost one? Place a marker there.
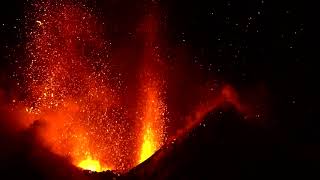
(156, 89)
(68, 84)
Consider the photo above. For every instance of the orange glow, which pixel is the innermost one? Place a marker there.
(70, 88)
(148, 146)
(92, 165)
(153, 125)
(152, 100)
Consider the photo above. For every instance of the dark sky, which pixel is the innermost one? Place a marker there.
(246, 43)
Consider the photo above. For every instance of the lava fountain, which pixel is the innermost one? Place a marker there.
(68, 84)
(153, 83)
(68, 87)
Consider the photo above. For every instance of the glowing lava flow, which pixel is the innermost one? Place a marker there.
(227, 95)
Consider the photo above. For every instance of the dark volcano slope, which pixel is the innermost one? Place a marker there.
(225, 146)
(23, 157)
(229, 147)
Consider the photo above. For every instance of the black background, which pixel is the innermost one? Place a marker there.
(272, 51)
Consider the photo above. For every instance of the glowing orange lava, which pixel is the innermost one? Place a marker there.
(153, 83)
(92, 165)
(148, 146)
(153, 125)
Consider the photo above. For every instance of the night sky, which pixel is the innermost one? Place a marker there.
(259, 47)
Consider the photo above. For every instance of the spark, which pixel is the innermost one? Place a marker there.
(39, 23)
